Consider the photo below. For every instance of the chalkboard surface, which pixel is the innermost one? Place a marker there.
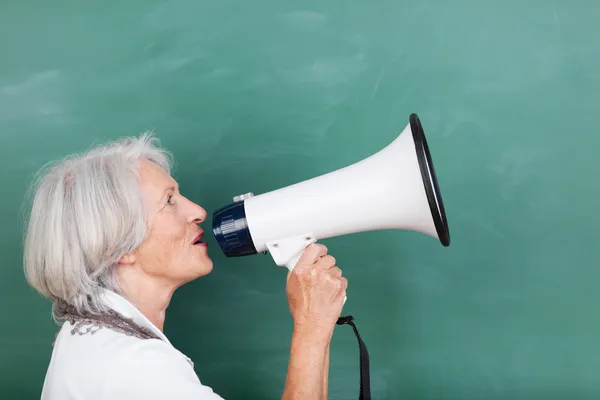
(253, 96)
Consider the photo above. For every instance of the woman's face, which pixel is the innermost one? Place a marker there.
(171, 250)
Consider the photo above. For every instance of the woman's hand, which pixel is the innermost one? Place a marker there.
(316, 290)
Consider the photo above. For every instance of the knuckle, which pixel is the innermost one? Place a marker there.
(309, 253)
(328, 261)
(321, 248)
(304, 272)
(335, 273)
(300, 269)
(315, 251)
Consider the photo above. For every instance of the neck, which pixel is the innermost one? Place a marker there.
(151, 295)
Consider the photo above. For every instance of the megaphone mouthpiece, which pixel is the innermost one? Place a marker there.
(230, 228)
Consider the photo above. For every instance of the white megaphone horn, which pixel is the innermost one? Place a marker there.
(396, 188)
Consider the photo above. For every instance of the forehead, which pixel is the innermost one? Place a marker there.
(153, 179)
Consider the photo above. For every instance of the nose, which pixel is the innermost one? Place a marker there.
(197, 214)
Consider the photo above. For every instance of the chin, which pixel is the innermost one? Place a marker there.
(205, 268)
(209, 268)
(197, 266)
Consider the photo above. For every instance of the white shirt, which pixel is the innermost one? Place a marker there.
(111, 365)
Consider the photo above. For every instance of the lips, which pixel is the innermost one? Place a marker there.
(198, 239)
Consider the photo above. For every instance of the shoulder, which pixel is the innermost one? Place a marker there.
(82, 363)
(153, 369)
(111, 365)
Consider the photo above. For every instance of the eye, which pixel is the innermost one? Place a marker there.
(170, 200)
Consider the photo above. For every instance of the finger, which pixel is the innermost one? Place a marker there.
(335, 272)
(326, 262)
(344, 283)
(313, 253)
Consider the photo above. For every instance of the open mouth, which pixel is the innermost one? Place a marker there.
(198, 240)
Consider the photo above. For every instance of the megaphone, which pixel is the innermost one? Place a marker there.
(395, 188)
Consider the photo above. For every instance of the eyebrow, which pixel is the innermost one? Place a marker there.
(168, 189)
(171, 188)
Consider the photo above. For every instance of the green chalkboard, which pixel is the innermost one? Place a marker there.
(255, 95)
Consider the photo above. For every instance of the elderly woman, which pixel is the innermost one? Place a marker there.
(110, 238)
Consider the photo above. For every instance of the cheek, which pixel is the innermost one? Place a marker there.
(169, 231)
(166, 241)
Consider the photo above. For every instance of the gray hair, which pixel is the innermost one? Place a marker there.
(87, 211)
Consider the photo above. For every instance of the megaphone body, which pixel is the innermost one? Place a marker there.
(396, 188)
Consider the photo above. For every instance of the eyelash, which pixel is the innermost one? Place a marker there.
(169, 200)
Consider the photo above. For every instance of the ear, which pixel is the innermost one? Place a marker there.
(127, 259)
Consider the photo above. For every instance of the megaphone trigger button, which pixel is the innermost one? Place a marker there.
(243, 197)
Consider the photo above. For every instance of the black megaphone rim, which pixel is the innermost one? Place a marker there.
(430, 181)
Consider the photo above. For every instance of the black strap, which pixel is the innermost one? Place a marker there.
(365, 380)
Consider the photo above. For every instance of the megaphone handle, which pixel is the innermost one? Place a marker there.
(294, 260)
(287, 252)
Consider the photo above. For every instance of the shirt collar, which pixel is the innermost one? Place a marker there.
(124, 307)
